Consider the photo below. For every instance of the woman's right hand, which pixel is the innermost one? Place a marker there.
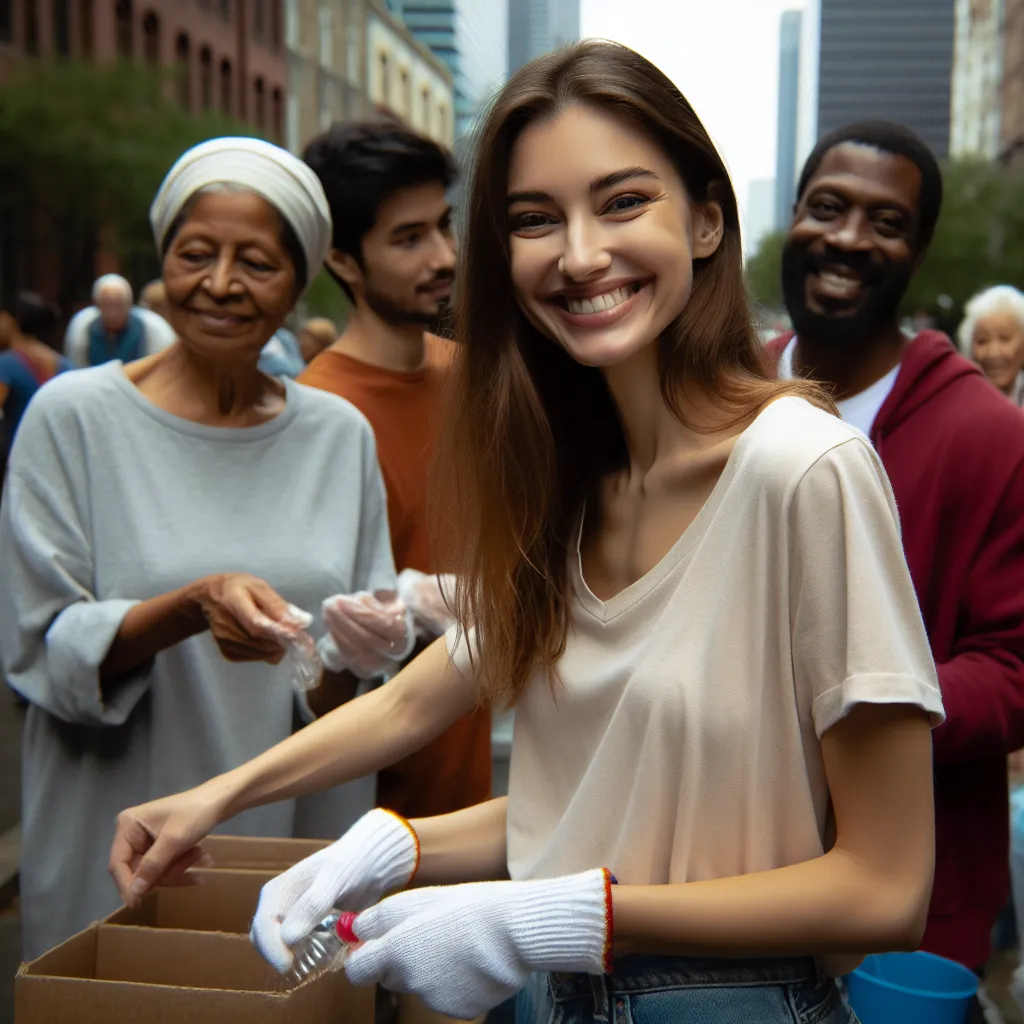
(248, 619)
(378, 854)
(156, 843)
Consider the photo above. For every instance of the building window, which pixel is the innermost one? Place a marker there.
(261, 104)
(406, 93)
(183, 62)
(31, 27)
(277, 116)
(259, 19)
(6, 21)
(62, 27)
(151, 38)
(326, 28)
(206, 77)
(85, 27)
(225, 86)
(275, 24)
(125, 35)
(425, 108)
(328, 103)
(442, 122)
(383, 90)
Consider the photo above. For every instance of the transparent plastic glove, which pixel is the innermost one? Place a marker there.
(367, 634)
(428, 597)
(301, 663)
(378, 854)
(463, 949)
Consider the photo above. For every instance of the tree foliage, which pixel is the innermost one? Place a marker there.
(83, 149)
(979, 242)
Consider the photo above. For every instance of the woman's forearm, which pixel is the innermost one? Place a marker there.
(832, 904)
(365, 735)
(153, 626)
(466, 846)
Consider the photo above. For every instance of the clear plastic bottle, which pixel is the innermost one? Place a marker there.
(325, 948)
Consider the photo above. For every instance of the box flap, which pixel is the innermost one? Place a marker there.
(224, 902)
(74, 958)
(259, 854)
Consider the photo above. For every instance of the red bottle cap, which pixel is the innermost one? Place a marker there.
(343, 927)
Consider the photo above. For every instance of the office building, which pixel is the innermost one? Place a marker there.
(536, 27)
(786, 131)
(988, 80)
(471, 37)
(890, 59)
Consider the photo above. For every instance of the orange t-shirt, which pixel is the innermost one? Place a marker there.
(454, 770)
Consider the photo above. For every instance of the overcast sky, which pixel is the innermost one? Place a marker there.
(723, 55)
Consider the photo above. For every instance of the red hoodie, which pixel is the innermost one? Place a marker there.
(953, 447)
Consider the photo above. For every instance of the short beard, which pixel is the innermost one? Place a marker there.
(397, 315)
(881, 303)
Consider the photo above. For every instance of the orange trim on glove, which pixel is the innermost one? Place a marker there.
(608, 956)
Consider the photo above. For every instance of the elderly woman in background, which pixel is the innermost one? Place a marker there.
(164, 522)
(992, 334)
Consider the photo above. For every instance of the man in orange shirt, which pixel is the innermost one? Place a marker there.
(394, 255)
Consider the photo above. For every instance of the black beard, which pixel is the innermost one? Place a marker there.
(884, 288)
(398, 315)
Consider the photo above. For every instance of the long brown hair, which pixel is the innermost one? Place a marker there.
(529, 432)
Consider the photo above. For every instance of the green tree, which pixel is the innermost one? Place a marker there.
(764, 272)
(83, 149)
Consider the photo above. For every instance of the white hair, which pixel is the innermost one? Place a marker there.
(112, 283)
(1003, 298)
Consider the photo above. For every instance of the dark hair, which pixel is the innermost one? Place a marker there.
(363, 164)
(528, 431)
(898, 140)
(289, 239)
(35, 317)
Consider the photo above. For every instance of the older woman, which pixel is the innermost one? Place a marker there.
(992, 334)
(161, 523)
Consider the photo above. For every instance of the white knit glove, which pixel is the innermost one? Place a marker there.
(367, 634)
(377, 855)
(463, 949)
(428, 598)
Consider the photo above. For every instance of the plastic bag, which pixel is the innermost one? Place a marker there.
(301, 663)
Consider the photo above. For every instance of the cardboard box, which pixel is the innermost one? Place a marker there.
(114, 973)
(246, 853)
(184, 956)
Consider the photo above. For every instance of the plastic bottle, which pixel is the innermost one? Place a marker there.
(325, 948)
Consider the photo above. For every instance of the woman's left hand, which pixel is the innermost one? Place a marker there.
(463, 949)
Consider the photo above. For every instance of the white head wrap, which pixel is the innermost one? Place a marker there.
(281, 179)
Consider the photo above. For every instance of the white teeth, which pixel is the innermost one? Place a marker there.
(601, 303)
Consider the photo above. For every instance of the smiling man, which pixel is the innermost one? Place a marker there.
(867, 205)
(394, 256)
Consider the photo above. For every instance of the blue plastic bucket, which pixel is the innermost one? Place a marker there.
(911, 988)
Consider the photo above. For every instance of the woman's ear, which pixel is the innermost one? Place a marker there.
(708, 228)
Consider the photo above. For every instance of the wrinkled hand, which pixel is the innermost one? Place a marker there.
(463, 949)
(248, 619)
(378, 854)
(368, 634)
(156, 843)
(428, 597)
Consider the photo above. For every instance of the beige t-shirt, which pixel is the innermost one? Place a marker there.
(683, 740)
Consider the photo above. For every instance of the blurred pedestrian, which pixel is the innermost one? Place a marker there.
(162, 519)
(867, 204)
(992, 334)
(393, 254)
(316, 335)
(112, 328)
(154, 299)
(26, 361)
(281, 356)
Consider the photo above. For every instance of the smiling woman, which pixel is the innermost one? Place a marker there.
(163, 521)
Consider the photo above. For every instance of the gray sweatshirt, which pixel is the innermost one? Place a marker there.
(109, 501)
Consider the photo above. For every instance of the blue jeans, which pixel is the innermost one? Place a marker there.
(677, 990)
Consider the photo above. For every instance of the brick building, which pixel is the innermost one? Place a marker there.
(230, 52)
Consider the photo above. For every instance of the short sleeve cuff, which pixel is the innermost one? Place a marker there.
(835, 704)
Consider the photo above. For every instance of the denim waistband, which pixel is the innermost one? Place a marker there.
(644, 973)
